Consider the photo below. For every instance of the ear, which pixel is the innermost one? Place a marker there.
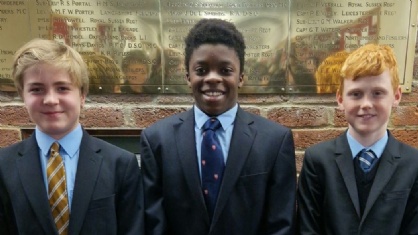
(241, 80)
(82, 100)
(187, 78)
(398, 96)
(339, 100)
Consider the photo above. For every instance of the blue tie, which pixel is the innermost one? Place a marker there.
(366, 159)
(212, 164)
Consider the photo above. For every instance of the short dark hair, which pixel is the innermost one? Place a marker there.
(214, 31)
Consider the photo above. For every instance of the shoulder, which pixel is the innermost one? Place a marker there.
(261, 123)
(167, 123)
(105, 149)
(13, 150)
(407, 153)
(323, 146)
(265, 130)
(403, 156)
(326, 150)
(10, 148)
(113, 159)
(108, 146)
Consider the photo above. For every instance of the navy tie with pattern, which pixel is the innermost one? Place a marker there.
(212, 164)
(366, 159)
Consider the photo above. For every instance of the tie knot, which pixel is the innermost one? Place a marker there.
(367, 153)
(366, 158)
(212, 124)
(55, 147)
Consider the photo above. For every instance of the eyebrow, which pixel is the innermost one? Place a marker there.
(222, 62)
(58, 83)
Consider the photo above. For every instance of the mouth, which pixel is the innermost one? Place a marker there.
(51, 113)
(213, 93)
(366, 116)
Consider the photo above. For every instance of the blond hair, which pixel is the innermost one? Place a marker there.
(370, 60)
(41, 51)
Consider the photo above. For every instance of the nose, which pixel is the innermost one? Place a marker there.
(50, 98)
(213, 77)
(366, 102)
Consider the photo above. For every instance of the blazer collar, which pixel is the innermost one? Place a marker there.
(88, 169)
(29, 168)
(387, 166)
(184, 135)
(242, 140)
(344, 162)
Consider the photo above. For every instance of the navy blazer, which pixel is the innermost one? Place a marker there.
(258, 190)
(328, 198)
(107, 196)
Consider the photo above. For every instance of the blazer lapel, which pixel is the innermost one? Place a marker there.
(88, 168)
(345, 164)
(30, 172)
(186, 151)
(387, 166)
(241, 142)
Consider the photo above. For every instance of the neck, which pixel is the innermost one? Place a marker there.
(366, 139)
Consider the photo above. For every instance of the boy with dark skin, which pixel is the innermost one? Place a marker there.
(257, 180)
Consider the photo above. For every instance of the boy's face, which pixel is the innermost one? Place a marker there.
(367, 104)
(214, 76)
(52, 100)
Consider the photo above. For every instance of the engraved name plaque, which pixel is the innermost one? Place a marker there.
(137, 46)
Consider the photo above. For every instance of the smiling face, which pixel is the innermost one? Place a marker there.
(367, 104)
(214, 76)
(53, 102)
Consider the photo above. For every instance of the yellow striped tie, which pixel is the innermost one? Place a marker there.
(57, 190)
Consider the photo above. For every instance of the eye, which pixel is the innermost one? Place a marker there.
(200, 71)
(35, 90)
(63, 88)
(378, 93)
(227, 71)
(355, 94)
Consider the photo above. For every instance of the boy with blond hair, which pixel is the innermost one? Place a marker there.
(364, 181)
(61, 180)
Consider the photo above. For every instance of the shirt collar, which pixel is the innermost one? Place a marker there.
(377, 147)
(70, 144)
(226, 119)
